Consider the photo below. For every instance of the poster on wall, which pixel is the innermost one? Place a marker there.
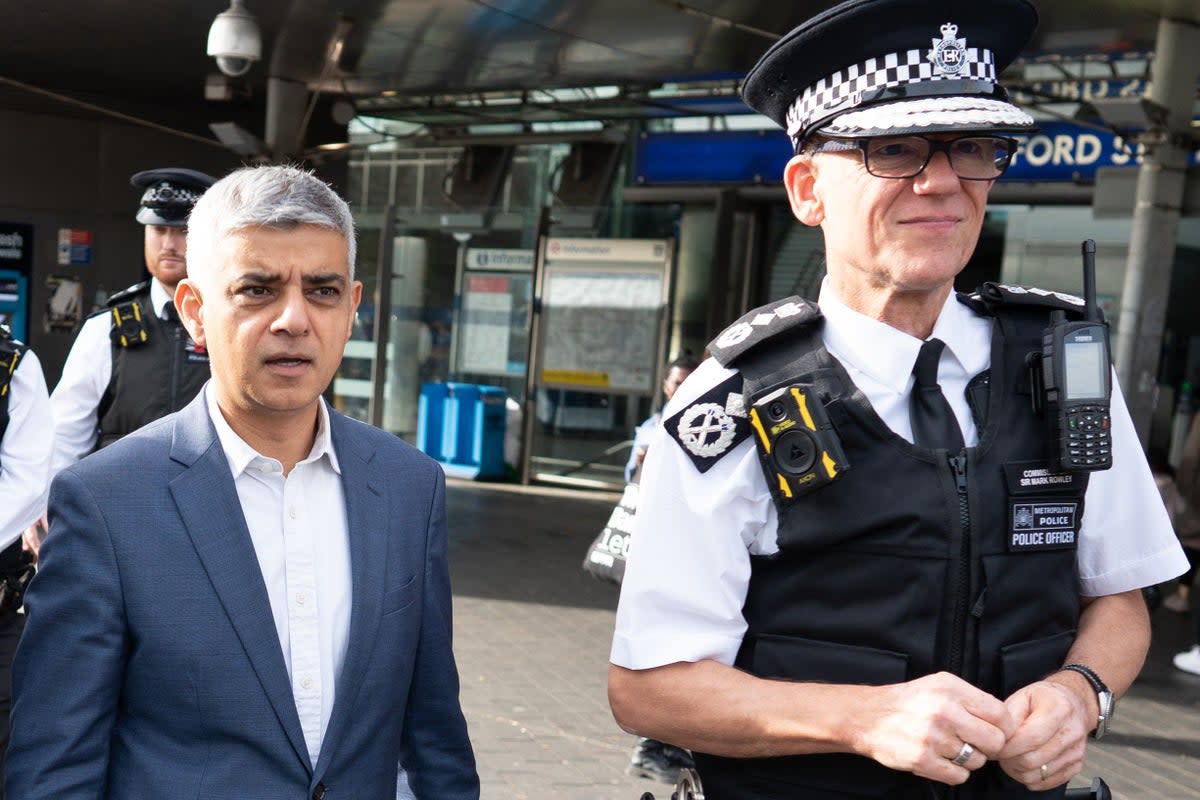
(74, 246)
(495, 323)
(603, 306)
(64, 309)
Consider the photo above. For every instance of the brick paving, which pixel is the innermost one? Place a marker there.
(532, 633)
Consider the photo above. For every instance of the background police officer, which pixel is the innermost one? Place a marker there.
(133, 362)
(25, 450)
(885, 634)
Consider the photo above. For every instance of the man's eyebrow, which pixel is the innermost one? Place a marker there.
(325, 279)
(256, 276)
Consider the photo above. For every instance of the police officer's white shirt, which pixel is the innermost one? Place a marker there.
(689, 560)
(298, 526)
(25, 450)
(85, 376)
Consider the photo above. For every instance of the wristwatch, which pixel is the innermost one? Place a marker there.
(1104, 696)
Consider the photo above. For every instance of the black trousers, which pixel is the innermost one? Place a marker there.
(11, 625)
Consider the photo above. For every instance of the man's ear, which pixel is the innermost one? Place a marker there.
(190, 304)
(800, 179)
(355, 299)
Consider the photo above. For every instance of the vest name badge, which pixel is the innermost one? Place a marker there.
(1048, 525)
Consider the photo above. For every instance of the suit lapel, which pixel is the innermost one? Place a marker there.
(211, 512)
(366, 525)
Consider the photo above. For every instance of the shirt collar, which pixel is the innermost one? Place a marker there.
(159, 297)
(241, 456)
(887, 354)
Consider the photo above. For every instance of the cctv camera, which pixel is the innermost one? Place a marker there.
(234, 40)
(234, 65)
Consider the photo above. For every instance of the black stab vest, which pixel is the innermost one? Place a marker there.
(150, 379)
(910, 563)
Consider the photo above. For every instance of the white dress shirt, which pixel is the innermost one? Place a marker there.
(298, 526)
(25, 450)
(85, 376)
(689, 560)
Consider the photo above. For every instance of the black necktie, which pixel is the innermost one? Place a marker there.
(933, 422)
(170, 314)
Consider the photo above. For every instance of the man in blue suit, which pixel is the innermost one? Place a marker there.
(248, 598)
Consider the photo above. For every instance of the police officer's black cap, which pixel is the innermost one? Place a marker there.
(887, 67)
(169, 194)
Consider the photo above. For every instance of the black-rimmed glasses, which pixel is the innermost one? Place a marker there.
(973, 158)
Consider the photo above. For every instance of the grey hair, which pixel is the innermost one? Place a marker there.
(278, 197)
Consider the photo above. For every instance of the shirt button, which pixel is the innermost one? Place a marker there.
(301, 598)
(292, 512)
(306, 683)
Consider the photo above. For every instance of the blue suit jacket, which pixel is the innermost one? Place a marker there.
(150, 665)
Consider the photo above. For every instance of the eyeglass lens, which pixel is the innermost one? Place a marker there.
(972, 157)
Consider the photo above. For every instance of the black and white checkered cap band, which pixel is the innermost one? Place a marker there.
(164, 194)
(844, 89)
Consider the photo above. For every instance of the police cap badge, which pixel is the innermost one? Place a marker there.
(169, 194)
(894, 67)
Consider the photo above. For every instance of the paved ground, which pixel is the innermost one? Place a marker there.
(532, 636)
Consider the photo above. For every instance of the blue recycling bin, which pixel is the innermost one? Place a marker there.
(462, 426)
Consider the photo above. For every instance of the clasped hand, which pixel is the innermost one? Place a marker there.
(922, 726)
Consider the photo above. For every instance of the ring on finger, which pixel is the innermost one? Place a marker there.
(965, 753)
(1045, 771)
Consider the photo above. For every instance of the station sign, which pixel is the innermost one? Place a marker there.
(499, 259)
(16, 246)
(1065, 151)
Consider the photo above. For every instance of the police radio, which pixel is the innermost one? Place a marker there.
(799, 447)
(1076, 377)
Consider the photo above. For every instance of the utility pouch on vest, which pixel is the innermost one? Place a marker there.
(798, 446)
(129, 328)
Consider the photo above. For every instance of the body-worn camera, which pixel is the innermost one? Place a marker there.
(1076, 377)
(799, 446)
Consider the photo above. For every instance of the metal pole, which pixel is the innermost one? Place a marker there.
(1159, 199)
(529, 414)
(456, 310)
(383, 314)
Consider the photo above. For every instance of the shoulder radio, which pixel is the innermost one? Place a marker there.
(1076, 378)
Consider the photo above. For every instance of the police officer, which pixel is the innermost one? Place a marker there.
(875, 621)
(25, 450)
(133, 362)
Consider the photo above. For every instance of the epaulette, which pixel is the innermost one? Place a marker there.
(127, 293)
(991, 296)
(10, 355)
(129, 326)
(761, 324)
(713, 424)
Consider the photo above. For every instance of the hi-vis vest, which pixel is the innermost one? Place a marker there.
(911, 561)
(156, 368)
(11, 352)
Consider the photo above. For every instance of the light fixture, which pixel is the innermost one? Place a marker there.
(234, 40)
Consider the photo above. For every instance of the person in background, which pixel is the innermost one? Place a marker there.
(676, 373)
(1186, 516)
(859, 569)
(25, 450)
(651, 758)
(133, 362)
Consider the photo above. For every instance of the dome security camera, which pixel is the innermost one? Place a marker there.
(234, 40)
